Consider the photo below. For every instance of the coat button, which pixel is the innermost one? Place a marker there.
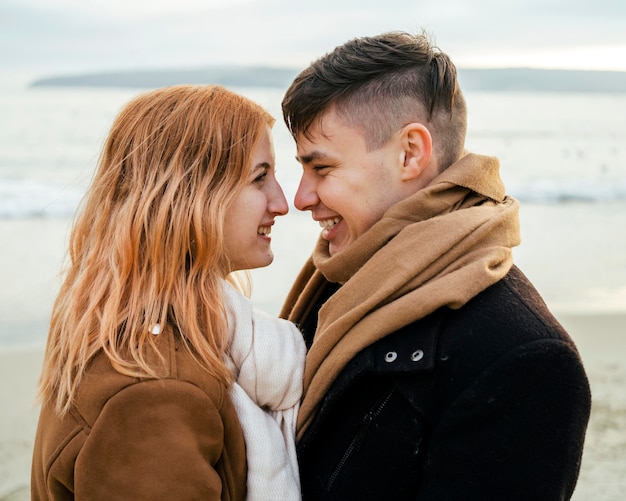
(391, 356)
(417, 355)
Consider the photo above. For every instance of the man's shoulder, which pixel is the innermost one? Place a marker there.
(504, 319)
(507, 315)
(511, 307)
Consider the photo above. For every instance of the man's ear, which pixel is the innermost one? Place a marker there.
(417, 147)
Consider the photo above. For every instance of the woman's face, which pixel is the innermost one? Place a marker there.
(250, 217)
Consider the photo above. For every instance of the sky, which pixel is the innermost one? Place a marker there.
(48, 37)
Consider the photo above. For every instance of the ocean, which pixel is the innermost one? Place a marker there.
(563, 156)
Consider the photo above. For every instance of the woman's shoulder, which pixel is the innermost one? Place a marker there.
(176, 367)
(112, 408)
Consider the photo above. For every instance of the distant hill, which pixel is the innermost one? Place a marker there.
(249, 76)
(530, 79)
(494, 79)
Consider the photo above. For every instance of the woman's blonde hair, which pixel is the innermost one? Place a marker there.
(146, 247)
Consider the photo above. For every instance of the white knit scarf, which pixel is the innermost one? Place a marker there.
(266, 355)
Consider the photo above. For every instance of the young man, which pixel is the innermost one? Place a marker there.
(434, 369)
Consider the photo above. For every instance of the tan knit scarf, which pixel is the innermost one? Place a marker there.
(439, 247)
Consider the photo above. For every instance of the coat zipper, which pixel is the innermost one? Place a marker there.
(357, 441)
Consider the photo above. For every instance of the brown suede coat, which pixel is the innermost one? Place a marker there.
(126, 438)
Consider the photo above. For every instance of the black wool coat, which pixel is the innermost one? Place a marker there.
(487, 402)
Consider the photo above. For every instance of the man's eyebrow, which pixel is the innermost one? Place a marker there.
(312, 156)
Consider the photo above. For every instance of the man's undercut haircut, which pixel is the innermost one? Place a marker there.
(380, 84)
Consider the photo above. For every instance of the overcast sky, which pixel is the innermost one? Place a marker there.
(80, 36)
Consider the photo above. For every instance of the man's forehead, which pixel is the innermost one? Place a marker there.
(328, 127)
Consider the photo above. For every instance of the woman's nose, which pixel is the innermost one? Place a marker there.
(278, 203)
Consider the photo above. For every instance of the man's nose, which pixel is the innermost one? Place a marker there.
(306, 195)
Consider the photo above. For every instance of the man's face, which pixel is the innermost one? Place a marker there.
(346, 188)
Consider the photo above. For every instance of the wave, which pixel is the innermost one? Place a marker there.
(24, 199)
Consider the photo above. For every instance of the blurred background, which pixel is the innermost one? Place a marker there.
(560, 137)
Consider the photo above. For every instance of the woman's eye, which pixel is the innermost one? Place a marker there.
(260, 178)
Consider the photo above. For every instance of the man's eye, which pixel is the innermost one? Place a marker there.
(320, 167)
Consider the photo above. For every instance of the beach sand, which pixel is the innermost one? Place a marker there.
(19, 371)
(601, 340)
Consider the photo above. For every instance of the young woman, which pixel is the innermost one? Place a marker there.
(160, 381)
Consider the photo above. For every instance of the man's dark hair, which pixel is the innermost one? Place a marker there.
(380, 84)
